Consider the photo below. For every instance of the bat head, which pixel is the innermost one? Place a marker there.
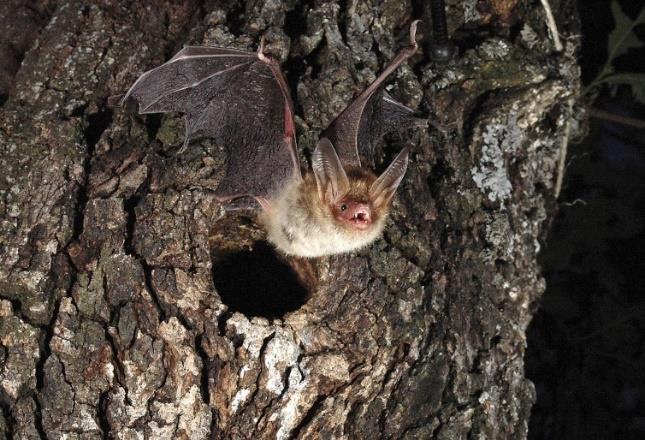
(357, 198)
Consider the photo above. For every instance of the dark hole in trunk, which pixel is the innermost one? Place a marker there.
(259, 282)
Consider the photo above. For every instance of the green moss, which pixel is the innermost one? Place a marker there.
(172, 131)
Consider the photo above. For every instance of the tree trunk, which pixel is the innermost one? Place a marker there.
(133, 307)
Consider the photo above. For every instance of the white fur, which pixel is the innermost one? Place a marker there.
(298, 225)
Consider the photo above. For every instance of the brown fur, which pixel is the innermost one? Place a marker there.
(298, 223)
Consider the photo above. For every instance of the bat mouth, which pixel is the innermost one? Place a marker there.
(361, 218)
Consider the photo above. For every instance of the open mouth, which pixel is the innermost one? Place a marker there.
(361, 218)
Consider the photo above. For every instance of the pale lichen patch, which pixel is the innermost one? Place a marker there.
(281, 353)
(240, 397)
(297, 398)
(254, 332)
(491, 176)
(500, 139)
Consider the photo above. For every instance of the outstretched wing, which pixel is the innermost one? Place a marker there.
(241, 100)
(355, 132)
(382, 114)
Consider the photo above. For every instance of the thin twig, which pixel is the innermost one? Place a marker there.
(619, 119)
(553, 29)
(564, 143)
(574, 203)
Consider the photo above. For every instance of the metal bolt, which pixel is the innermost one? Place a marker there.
(442, 49)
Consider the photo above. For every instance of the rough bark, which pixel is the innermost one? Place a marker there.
(132, 307)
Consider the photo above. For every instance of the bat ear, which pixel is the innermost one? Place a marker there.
(331, 178)
(385, 186)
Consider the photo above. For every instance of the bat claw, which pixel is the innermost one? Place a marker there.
(267, 57)
(261, 55)
(413, 33)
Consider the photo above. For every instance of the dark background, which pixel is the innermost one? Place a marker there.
(586, 344)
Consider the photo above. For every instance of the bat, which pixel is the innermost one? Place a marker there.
(242, 101)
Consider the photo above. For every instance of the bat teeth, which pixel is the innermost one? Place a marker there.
(361, 216)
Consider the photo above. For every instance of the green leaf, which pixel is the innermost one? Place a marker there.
(620, 41)
(626, 78)
(635, 80)
(622, 38)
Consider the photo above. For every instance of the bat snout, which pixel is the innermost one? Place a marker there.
(358, 215)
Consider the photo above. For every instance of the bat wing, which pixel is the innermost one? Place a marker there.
(382, 114)
(241, 100)
(355, 132)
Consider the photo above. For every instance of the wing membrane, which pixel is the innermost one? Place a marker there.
(237, 98)
(371, 114)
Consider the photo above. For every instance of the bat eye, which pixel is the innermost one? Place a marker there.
(343, 207)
